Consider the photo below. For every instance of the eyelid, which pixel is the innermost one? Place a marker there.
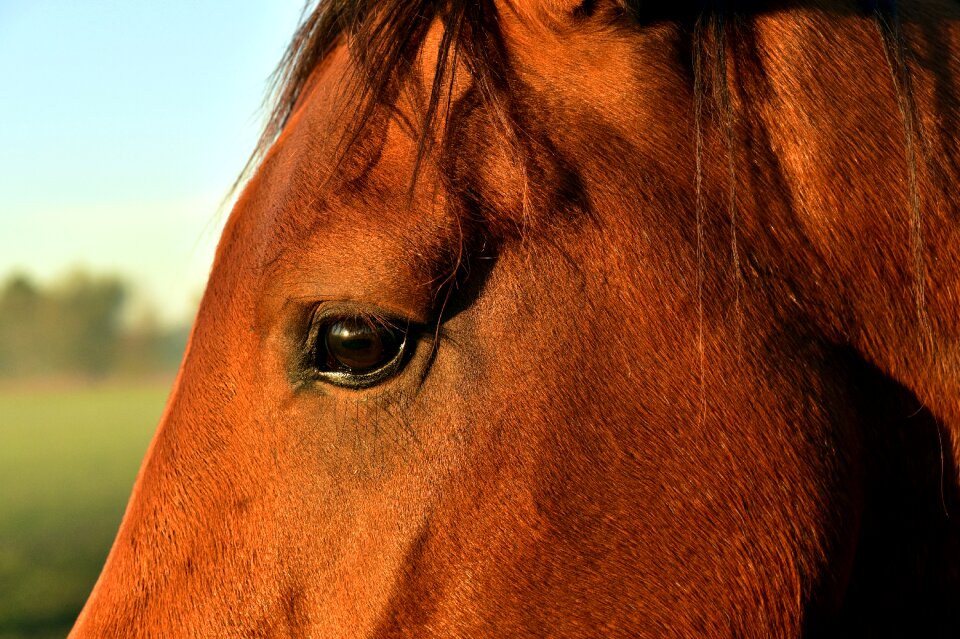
(325, 312)
(337, 309)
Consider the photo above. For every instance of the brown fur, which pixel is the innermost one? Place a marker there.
(680, 373)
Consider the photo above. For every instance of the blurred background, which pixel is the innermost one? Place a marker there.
(123, 124)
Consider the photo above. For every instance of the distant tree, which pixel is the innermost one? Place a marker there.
(87, 326)
(77, 327)
(149, 347)
(21, 310)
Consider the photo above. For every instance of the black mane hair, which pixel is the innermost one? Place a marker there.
(385, 39)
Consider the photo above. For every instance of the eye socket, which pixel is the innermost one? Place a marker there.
(356, 351)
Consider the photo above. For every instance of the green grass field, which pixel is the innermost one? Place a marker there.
(68, 459)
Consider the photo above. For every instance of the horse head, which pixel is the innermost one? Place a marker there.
(573, 318)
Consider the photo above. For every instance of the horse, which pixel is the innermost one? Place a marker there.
(573, 318)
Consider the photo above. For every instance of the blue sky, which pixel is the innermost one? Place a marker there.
(123, 123)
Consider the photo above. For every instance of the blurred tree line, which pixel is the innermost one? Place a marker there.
(78, 327)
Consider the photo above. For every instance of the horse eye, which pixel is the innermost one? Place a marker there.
(358, 352)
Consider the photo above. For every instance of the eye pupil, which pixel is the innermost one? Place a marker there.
(357, 345)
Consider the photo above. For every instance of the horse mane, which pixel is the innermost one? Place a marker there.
(385, 38)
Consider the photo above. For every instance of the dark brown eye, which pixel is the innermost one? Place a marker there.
(359, 346)
(358, 351)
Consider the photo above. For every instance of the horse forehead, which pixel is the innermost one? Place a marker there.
(309, 187)
(306, 195)
(349, 227)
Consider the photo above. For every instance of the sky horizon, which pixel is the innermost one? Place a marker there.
(126, 125)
